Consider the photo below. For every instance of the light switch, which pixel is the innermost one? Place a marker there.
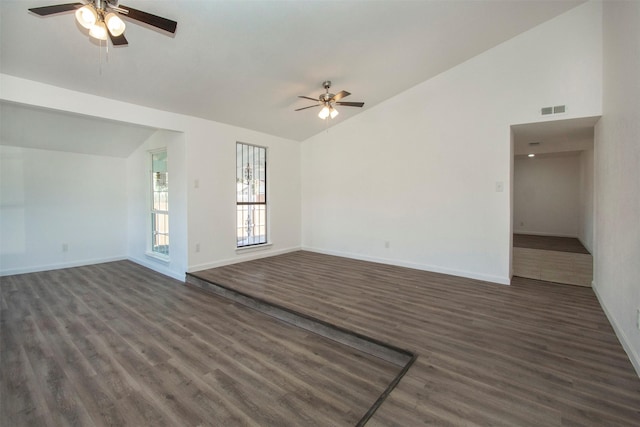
(499, 186)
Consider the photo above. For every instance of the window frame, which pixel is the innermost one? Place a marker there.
(262, 204)
(153, 229)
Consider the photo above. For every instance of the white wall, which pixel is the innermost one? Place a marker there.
(617, 176)
(546, 195)
(52, 198)
(207, 213)
(587, 195)
(212, 209)
(420, 170)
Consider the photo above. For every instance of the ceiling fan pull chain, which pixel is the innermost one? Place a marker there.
(100, 57)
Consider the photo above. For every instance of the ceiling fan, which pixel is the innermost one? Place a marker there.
(102, 18)
(328, 100)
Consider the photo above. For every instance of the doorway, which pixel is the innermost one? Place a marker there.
(553, 201)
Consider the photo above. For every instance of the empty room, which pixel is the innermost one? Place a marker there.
(320, 213)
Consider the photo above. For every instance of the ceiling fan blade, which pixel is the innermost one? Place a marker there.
(58, 8)
(306, 97)
(351, 104)
(311, 106)
(148, 18)
(339, 96)
(118, 40)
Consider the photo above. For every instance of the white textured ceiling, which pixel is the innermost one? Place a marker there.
(244, 62)
(554, 137)
(31, 127)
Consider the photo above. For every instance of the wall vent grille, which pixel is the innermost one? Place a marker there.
(557, 109)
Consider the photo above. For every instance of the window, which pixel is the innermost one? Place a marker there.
(159, 203)
(251, 195)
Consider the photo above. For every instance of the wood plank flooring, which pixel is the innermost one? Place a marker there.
(549, 243)
(117, 344)
(553, 266)
(554, 259)
(529, 354)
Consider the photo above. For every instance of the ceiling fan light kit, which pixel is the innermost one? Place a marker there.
(102, 18)
(328, 100)
(86, 16)
(114, 24)
(97, 20)
(98, 31)
(328, 111)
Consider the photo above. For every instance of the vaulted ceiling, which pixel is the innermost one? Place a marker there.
(245, 62)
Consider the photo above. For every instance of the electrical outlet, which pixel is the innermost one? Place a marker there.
(387, 244)
(638, 319)
(197, 247)
(65, 247)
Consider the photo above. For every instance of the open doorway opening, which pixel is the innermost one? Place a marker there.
(553, 201)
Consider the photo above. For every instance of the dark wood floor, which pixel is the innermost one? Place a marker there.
(117, 344)
(549, 243)
(529, 354)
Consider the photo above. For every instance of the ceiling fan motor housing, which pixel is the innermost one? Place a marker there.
(325, 97)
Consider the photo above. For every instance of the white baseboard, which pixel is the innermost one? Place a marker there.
(417, 266)
(242, 256)
(158, 267)
(59, 266)
(634, 357)
(542, 233)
